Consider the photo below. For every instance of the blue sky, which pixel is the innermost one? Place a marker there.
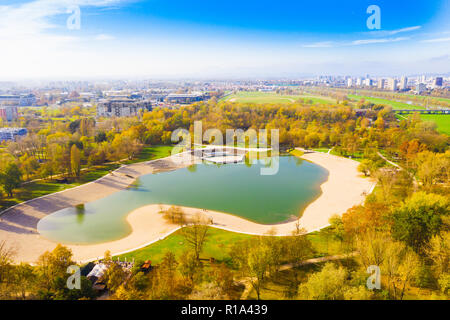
(199, 38)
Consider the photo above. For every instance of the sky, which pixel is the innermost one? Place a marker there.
(41, 39)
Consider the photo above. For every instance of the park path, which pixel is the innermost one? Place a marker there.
(415, 182)
(389, 161)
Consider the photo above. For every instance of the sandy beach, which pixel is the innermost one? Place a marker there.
(344, 188)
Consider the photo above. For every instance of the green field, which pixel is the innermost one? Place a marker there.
(152, 153)
(43, 187)
(426, 97)
(272, 97)
(394, 104)
(442, 121)
(218, 245)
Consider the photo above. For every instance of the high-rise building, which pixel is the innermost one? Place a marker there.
(8, 113)
(422, 79)
(404, 83)
(349, 82)
(381, 83)
(421, 87)
(368, 82)
(359, 82)
(392, 84)
(438, 82)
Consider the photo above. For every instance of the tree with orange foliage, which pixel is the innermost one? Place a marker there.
(359, 219)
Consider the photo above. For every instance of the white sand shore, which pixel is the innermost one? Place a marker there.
(343, 189)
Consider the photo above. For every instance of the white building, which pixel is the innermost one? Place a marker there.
(404, 83)
(392, 84)
(122, 108)
(359, 82)
(381, 83)
(18, 100)
(368, 82)
(349, 82)
(11, 134)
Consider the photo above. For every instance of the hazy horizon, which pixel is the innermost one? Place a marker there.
(229, 40)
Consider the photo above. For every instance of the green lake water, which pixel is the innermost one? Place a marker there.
(238, 189)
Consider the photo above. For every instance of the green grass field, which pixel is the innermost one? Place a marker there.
(324, 150)
(272, 97)
(394, 104)
(425, 97)
(218, 246)
(442, 121)
(43, 187)
(152, 153)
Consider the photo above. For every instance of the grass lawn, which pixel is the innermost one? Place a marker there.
(357, 156)
(219, 244)
(394, 104)
(296, 153)
(152, 153)
(272, 97)
(324, 150)
(442, 121)
(43, 187)
(426, 97)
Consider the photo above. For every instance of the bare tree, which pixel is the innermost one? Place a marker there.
(196, 234)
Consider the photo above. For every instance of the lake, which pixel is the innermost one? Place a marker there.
(238, 189)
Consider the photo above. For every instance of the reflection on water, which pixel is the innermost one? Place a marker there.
(80, 213)
(192, 168)
(233, 188)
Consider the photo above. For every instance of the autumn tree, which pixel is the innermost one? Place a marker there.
(52, 270)
(11, 178)
(419, 218)
(196, 234)
(331, 284)
(75, 160)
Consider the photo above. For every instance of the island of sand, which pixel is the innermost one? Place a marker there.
(344, 188)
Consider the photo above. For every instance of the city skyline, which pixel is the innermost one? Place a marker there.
(215, 40)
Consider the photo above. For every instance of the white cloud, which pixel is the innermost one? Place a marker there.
(371, 41)
(104, 37)
(384, 33)
(437, 40)
(323, 44)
